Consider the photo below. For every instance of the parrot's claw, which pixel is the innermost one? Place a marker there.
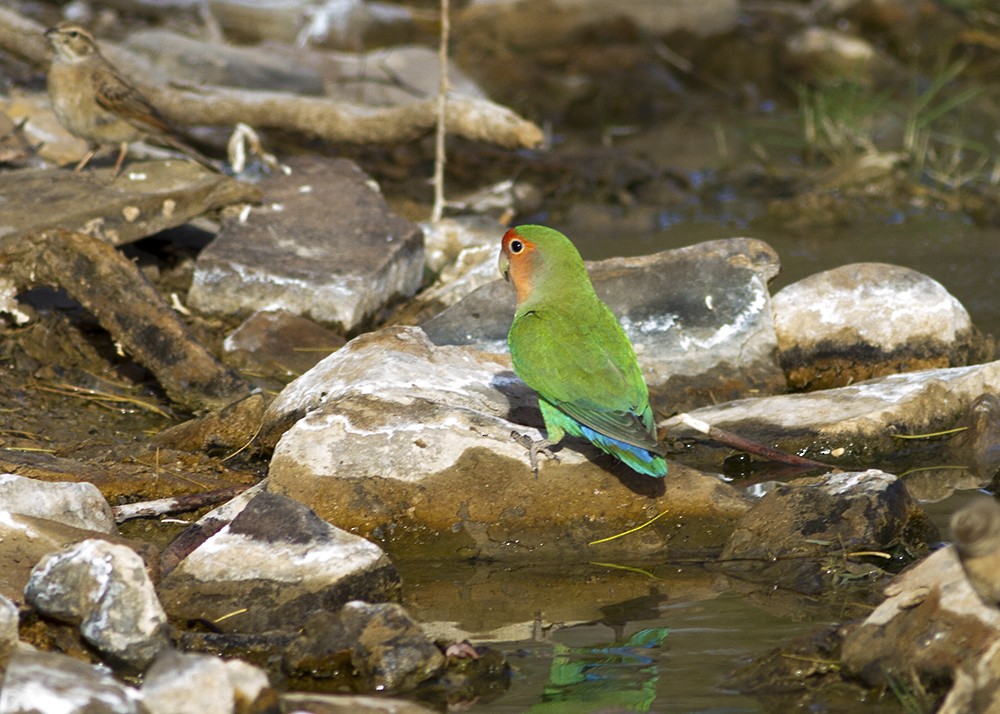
(534, 447)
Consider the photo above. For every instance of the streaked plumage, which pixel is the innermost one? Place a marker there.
(95, 103)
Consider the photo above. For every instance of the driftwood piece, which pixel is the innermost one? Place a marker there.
(110, 286)
(150, 196)
(343, 122)
(176, 504)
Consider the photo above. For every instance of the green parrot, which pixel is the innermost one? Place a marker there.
(567, 345)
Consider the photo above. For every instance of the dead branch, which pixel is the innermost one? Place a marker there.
(177, 504)
(342, 122)
(111, 287)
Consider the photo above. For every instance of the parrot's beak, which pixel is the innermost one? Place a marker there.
(504, 265)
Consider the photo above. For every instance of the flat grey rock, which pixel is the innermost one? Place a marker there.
(324, 246)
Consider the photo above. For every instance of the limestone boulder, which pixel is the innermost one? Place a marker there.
(292, 561)
(857, 423)
(867, 320)
(410, 444)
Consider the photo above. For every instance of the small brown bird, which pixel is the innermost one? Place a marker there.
(93, 102)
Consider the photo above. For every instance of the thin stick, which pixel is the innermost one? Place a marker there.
(176, 504)
(442, 106)
(739, 442)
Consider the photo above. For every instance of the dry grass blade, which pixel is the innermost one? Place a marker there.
(930, 435)
(630, 530)
(97, 396)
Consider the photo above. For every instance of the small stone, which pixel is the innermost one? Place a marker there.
(25, 540)
(80, 505)
(104, 588)
(179, 683)
(280, 344)
(387, 649)
(8, 630)
(51, 683)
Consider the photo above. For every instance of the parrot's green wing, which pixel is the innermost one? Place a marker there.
(580, 361)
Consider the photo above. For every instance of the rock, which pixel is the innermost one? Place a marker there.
(25, 540)
(148, 197)
(179, 683)
(290, 256)
(80, 505)
(105, 589)
(821, 55)
(859, 421)
(191, 61)
(9, 620)
(931, 626)
(276, 343)
(340, 24)
(801, 533)
(656, 18)
(867, 320)
(52, 683)
(409, 444)
(350, 704)
(445, 240)
(393, 76)
(292, 561)
(385, 647)
(229, 429)
(979, 445)
(698, 317)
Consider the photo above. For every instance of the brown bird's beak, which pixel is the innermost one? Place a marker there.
(504, 265)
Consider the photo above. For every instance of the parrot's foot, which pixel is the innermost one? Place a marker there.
(534, 447)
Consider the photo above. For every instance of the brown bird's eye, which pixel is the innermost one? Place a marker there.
(516, 246)
(73, 33)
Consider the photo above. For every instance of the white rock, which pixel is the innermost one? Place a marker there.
(80, 505)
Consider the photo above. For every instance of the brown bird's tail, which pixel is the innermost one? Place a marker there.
(173, 142)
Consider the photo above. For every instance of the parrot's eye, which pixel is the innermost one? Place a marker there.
(516, 246)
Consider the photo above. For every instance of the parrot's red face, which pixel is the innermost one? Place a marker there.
(517, 261)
